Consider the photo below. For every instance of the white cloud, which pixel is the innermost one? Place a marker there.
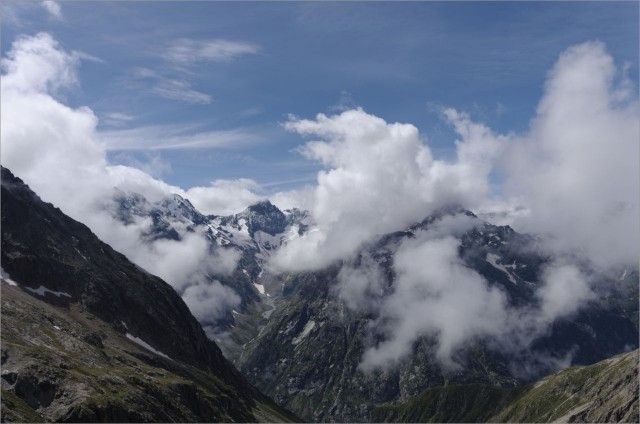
(436, 295)
(53, 8)
(225, 197)
(381, 178)
(573, 177)
(57, 150)
(187, 51)
(209, 301)
(116, 119)
(180, 90)
(577, 169)
(37, 64)
(173, 89)
(362, 287)
(170, 137)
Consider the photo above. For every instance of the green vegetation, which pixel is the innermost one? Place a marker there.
(456, 403)
(61, 376)
(15, 409)
(603, 392)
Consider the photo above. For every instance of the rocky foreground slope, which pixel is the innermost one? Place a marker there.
(89, 336)
(604, 392)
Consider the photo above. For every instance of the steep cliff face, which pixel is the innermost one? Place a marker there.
(604, 392)
(87, 335)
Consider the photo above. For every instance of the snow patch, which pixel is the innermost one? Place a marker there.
(42, 290)
(259, 287)
(146, 345)
(493, 260)
(7, 279)
(80, 253)
(305, 332)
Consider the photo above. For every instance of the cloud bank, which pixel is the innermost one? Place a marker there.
(436, 294)
(380, 177)
(573, 177)
(577, 169)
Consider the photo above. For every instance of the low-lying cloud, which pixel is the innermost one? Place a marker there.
(436, 294)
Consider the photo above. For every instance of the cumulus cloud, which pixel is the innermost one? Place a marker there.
(59, 152)
(577, 169)
(380, 177)
(37, 64)
(225, 197)
(573, 177)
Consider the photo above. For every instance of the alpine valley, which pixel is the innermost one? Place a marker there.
(88, 335)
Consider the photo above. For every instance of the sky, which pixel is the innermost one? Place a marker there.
(371, 116)
(193, 92)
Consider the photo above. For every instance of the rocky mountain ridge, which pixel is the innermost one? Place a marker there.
(297, 340)
(87, 335)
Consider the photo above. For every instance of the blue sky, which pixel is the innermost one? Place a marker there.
(399, 61)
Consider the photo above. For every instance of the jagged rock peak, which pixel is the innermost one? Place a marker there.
(263, 216)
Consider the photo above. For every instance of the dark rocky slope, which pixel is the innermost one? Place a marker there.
(70, 322)
(604, 392)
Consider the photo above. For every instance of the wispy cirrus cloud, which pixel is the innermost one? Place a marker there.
(173, 89)
(185, 51)
(180, 90)
(173, 137)
(116, 119)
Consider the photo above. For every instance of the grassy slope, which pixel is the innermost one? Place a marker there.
(603, 392)
(119, 381)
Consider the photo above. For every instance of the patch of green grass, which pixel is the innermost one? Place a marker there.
(16, 410)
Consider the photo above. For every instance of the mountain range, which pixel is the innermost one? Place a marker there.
(90, 336)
